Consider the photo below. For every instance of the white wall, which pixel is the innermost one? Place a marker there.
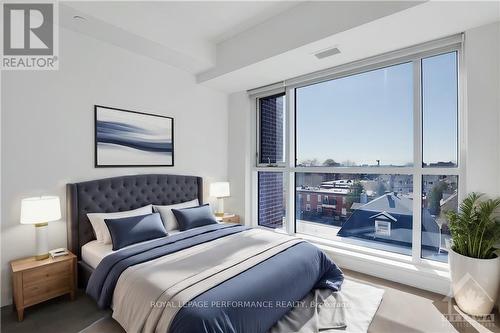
(48, 135)
(482, 60)
(482, 46)
(239, 156)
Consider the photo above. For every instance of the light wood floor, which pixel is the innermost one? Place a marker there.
(410, 310)
(403, 310)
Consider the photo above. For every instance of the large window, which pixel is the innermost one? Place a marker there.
(374, 156)
(360, 120)
(373, 210)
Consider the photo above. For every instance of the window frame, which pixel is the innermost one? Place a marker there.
(412, 54)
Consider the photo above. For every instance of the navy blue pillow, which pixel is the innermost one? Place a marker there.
(193, 217)
(130, 230)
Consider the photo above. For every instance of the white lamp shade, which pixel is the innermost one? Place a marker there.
(40, 210)
(219, 190)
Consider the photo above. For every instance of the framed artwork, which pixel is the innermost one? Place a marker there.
(126, 138)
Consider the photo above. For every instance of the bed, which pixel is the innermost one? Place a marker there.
(214, 278)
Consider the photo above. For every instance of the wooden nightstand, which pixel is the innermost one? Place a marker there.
(230, 218)
(35, 281)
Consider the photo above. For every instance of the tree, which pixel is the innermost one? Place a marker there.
(380, 188)
(309, 162)
(330, 163)
(355, 193)
(435, 196)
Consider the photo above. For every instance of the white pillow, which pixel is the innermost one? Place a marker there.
(168, 217)
(100, 227)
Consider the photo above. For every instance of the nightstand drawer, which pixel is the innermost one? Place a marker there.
(56, 269)
(35, 281)
(39, 291)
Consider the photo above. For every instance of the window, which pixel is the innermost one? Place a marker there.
(271, 204)
(272, 130)
(440, 110)
(382, 228)
(335, 112)
(388, 167)
(438, 197)
(357, 208)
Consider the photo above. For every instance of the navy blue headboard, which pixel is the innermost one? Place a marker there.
(120, 194)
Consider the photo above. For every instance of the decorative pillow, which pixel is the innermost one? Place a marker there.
(169, 220)
(194, 217)
(135, 229)
(101, 230)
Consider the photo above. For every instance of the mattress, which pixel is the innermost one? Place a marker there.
(93, 252)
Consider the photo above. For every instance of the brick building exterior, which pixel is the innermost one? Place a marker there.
(271, 129)
(322, 201)
(271, 204)
(271, 199)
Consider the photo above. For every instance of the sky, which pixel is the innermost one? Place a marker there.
(369, 116)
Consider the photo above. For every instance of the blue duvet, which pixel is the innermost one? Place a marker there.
(252, 301)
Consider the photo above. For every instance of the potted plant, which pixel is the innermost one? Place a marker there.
(474, 257)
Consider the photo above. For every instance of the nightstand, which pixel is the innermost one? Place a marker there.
(230, 218)
(35, 281)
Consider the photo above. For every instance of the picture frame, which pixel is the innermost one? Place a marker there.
(126, 138)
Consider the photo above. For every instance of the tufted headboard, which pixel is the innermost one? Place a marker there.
(119, 194)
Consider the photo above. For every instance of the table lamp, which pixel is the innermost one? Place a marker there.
(220, 190)
(39, 211)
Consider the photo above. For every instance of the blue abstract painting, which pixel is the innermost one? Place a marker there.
(128, 138)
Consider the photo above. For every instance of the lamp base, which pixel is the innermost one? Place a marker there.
(42, 241)
(220, 207)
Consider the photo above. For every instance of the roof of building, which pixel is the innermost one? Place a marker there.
(390, 203)
(450, 203)
(321, 190)
(386, 215)
(396, 208)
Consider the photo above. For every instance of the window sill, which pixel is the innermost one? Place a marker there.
(433, 277)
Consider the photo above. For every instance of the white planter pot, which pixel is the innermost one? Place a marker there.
(475, 283)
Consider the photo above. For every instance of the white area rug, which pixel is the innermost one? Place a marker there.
(352, 310)
(362, 302)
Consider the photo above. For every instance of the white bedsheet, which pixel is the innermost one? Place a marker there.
(93, 252)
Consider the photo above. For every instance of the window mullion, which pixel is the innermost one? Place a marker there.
(417, 160)
(290, 161)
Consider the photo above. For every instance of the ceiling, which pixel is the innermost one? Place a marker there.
(422, 23)
(234, 46)
(191, 28)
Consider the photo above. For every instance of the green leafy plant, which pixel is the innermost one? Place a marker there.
(475, 229)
